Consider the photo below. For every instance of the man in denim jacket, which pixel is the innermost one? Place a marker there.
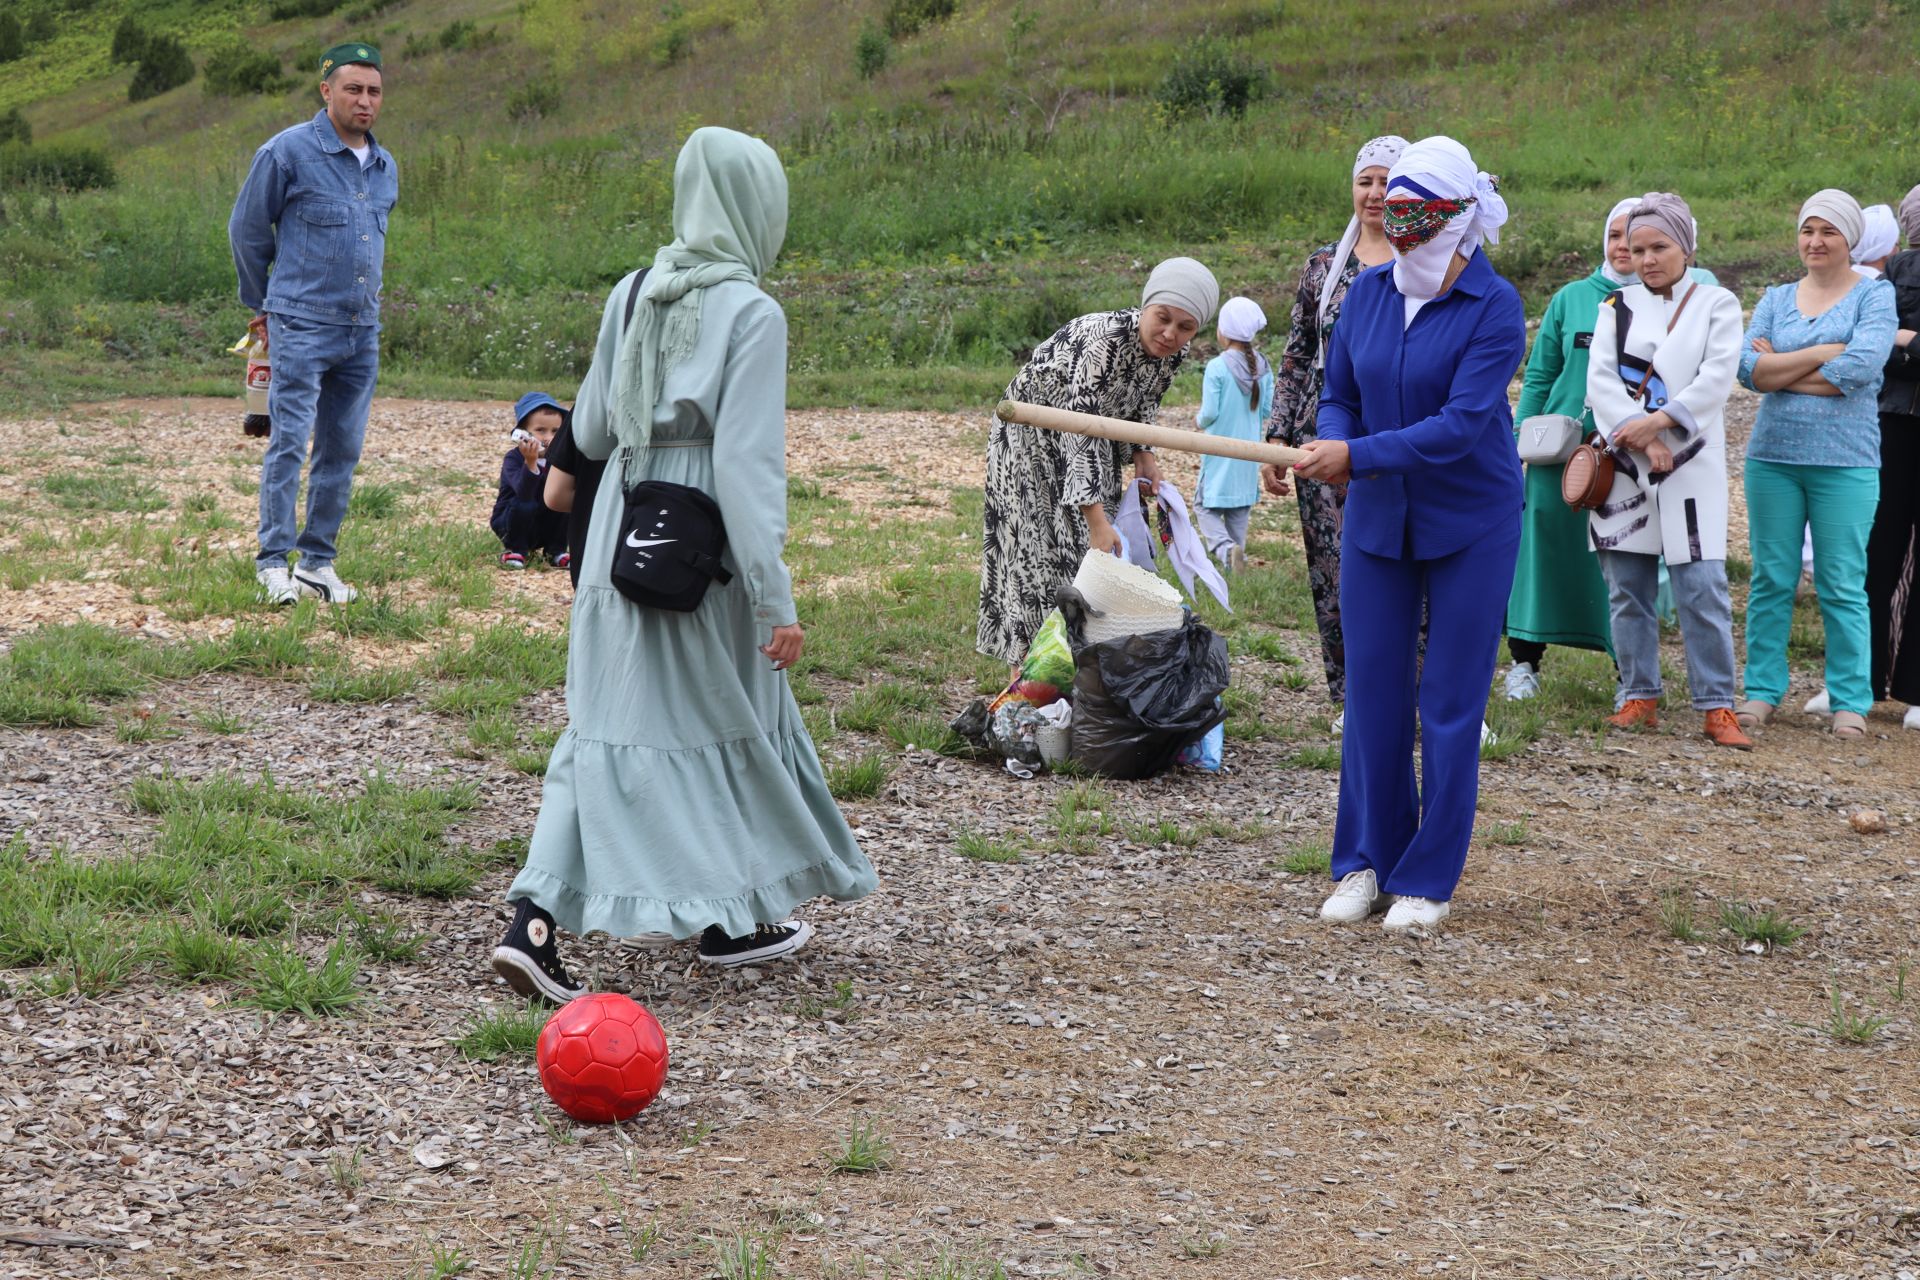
(308, 233)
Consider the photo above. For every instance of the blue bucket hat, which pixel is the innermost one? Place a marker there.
(527, 403)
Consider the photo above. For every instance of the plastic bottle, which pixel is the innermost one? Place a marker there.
(258, 377)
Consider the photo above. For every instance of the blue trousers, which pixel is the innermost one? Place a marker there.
(1415, 836)
(323, 376)
(528, 523)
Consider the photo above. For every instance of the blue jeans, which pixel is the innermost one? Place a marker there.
(323, 377)
(1706, 624)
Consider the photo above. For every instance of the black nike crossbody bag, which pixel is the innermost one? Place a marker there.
(671, 537)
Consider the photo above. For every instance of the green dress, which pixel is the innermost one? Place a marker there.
(1559, 595)
(685, 791)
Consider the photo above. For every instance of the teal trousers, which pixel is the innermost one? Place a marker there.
(1783, 501)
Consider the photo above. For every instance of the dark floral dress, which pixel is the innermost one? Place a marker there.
(1037, 481)
(1296, 400)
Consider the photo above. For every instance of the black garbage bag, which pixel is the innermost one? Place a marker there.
(1138, 701)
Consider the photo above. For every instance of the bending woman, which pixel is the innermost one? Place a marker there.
(1817, 348)
(1415, 412)
(1324, 282)
(1050, 496)
(1665, 351)
(685, 796)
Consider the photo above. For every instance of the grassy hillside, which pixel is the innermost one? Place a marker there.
(1006, 167)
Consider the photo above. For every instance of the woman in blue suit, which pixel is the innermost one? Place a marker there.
(1415, 412)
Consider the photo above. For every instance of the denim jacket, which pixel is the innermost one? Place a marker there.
(313, 218)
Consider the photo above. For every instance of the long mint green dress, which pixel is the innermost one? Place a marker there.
(685, 791)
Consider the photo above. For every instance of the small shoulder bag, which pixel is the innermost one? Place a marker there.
(1588, 478)
(671, 537)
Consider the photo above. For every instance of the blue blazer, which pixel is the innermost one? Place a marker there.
(1423, 409)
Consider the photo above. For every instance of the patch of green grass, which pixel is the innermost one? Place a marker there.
(879, 706)
(382, 617)
(981, 847)
(860, 778)
(491, 732)
(1314, 858)
(745, 1257)
(220, 721)
(1678, 913)
(386, 937)
(447, 1261)
(372, 500)
(866, 1149)
(1509, 833)
(284, 982)
(376, 685)
(1848, 1027)
(154, 726)
(1163, 832)
(1081, 815)
(1317, 755)
(503, 1032)
(202, 955)
(926, 733)
(104, 491)
(1768, 928)
(247, 912)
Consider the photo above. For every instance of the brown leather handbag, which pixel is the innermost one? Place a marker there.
(1588, 477)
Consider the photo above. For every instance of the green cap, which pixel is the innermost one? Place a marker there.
(342, 54)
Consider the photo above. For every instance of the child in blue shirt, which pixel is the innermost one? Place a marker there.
(1236, 395)
(521, 517)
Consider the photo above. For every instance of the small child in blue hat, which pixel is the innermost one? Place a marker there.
(521, 517)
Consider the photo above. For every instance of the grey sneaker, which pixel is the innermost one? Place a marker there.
(277, 585)
(324, 584)
(1523, 682)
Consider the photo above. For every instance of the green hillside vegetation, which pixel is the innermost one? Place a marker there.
(966, 174)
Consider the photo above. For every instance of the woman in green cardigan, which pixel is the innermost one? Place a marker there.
(1559, 596)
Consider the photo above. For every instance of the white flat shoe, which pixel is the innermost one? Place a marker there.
(1415, 913)
(1357, 898)
(1912, 719)
(1339, 726)
(1818, 705)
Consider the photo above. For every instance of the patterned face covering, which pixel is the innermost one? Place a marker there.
(1412, 222)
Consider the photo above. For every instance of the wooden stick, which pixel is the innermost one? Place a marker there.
(1092, 424)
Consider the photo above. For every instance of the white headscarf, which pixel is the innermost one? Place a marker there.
(1619, 280)
(1438, 168)
(1241, 319)
(1184, 284)
(1379, 153)
(1880, 235)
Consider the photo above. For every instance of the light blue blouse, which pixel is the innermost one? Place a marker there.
(1796, 429)
(1226, 483)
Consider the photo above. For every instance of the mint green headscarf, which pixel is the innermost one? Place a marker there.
(729, 219)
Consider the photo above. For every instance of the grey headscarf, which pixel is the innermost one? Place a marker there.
(1910, 218)
(729, 220)
(1669, 213)
(1837, 207)
(1183, 283)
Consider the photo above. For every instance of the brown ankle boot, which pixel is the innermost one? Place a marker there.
(1636, 713)
(1725, 730)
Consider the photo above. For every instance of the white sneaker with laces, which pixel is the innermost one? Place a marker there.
(1523, 682)
(1819, 705)
(1487, 736)
(1912, 719)
(277, 585)
(1415, 913)
(324, 584)
(1357, 897)
(1339, 726)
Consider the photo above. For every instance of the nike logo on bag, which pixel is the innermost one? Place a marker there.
(648, 542)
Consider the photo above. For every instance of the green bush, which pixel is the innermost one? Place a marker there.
(534, 100)
(57, 167)
(1212, 77)
(907, 17)
(129, 42)
(236, 69)
(284, 9)
(870, 51)
(40, 27)
(163, 66)
(14, 128)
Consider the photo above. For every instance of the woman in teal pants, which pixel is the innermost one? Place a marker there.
(1818, 348)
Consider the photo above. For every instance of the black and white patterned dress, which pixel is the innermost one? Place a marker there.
(1037, 481)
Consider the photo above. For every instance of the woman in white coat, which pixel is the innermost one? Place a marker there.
(1665, 354)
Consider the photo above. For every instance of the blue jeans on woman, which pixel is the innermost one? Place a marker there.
(323, 376)
(1706, 624)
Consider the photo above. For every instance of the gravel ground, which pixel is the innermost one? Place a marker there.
(1137, 1061)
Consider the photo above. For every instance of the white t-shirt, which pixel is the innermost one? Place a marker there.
(363, 153)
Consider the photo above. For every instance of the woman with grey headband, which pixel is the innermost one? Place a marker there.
(1049, 497)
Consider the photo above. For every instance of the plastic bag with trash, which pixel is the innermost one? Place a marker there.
(1140, 700)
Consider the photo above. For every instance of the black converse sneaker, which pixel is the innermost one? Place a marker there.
(766, 942)
(530, 962)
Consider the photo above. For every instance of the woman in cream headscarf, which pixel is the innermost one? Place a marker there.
(685, 796)
(1324, 281)
(1049, 497)
(1415, 414)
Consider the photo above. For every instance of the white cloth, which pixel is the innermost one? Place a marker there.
(1879, 235)
(1186, 552)
(1241, 319)
(1378, 153)
(1440, 168)
(1606, 233)
(363, 153)
(1683, 516)
(1871, 273)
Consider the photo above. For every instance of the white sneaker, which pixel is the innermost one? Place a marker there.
(1912, 719)
(1415, 913)
(1819, 705)
(276, 585)
(324, 584)
(1487, 736)
(1339, 726)
(1357, 897)
(1523, 682)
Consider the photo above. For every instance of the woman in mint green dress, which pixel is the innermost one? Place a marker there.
(685, 796)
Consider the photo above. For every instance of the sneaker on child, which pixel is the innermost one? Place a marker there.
(767, 942)
(530, 962)
(1523, 682)
(512, 560)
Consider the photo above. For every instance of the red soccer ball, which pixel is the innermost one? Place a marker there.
(602, 1058)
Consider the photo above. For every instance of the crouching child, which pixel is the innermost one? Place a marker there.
(521, 518)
